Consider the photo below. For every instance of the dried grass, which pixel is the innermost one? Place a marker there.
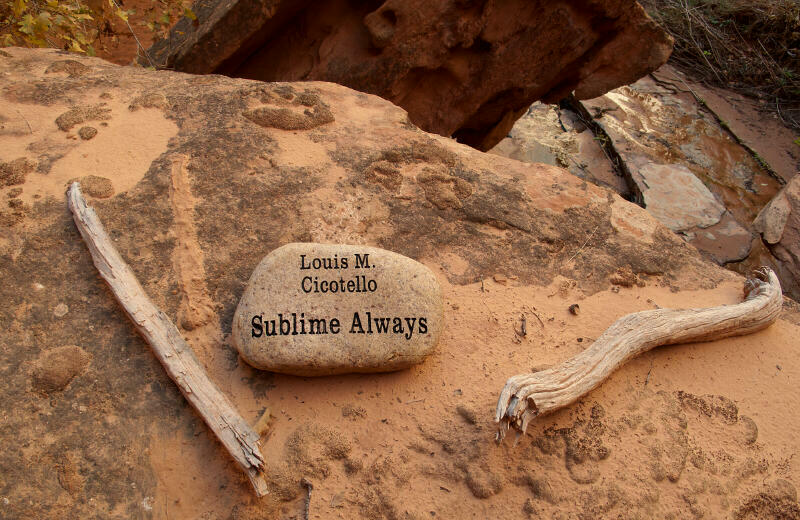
(751, 47)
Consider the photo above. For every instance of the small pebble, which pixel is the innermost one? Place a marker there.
(87, 132)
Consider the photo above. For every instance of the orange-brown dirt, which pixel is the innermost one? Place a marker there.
(687, 431)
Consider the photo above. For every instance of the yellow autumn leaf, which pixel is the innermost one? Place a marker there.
(26, 24)
(19, 7)
(42, 23)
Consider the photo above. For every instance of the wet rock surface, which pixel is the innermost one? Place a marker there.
(321, 309)
(462, 69)
(655, 124)
(725, 242)
(671, 154)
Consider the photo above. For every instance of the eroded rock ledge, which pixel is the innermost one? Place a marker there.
(462, 69)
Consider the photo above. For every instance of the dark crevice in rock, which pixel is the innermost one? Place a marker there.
(607, 144)
(462, 69)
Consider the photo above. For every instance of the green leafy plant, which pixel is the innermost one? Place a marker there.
(78, 26)
(52, 23)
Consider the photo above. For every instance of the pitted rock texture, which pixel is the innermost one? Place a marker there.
(321, 309)
(209, 193)
(54, 370)
(467, 69)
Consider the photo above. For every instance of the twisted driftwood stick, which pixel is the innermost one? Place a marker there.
(168, 345)
(528, 395)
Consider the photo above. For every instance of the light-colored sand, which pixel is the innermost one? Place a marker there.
(124, 144)
(410, 418)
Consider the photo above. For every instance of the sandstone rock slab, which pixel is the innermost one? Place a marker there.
(779, 226)
(320, 309)
(726, 241)
(656, 122)
(553, 135)
(676, 197)
(467, 69)
(221, 193)
(771, 221)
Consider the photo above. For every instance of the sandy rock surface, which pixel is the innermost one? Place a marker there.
(462, 69)
(202, 192)
(321, 309)
(677, 198)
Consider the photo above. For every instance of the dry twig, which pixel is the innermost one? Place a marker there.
(139, 45)
(309, 486)
(30, 130)
(584, 244)
(169, 347)
(745, 45)
(529, 395)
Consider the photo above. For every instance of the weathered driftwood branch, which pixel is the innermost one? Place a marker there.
(169, 347)
(526, 396)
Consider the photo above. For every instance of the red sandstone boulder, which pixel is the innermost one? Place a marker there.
(210, 174)
(466, 69)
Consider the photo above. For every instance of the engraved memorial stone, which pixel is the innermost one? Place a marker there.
(319, 309)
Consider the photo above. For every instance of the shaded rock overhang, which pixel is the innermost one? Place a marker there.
(459, 68)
